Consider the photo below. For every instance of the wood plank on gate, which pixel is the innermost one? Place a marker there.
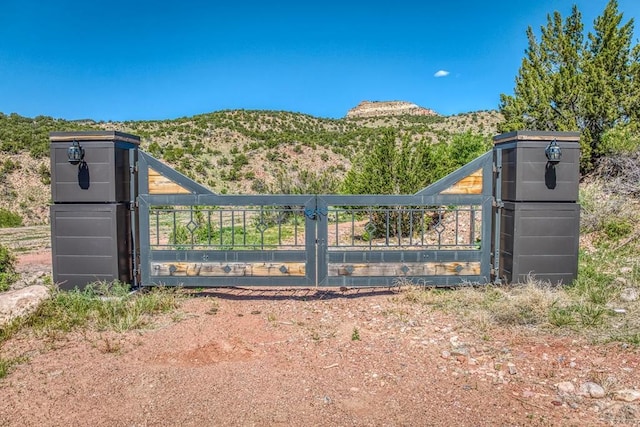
(159, 184)
(405, 269)
(231, 269)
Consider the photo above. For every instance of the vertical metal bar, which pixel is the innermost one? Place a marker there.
(175, 231)
(280, 217)
(337, 234)
(370, 235)
(295, 228)
(423, 229)
(440, 228)
(411, 214)
(399, 224)
(387, 225)
(209, 231)
(353, 228)
(244, 227)
(157, 214)
(192, 232)
(472, 225)
(233, 228)
(220, 227)
(457, 226)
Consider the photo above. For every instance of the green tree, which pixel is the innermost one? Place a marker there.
(389, 168)
(608, 81)
(568, 84)
(405, 167)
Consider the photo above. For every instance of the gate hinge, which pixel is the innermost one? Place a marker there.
(133, 169)
(497, 168)
(497, 203)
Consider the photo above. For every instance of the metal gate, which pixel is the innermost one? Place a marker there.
(192, 237)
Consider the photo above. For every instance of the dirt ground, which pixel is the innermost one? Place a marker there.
(309, 357)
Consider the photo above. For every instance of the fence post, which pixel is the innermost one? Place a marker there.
(536, 206)
(93, 225)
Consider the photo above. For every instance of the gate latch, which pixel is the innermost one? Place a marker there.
(310, 213)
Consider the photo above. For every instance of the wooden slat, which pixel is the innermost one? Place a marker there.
(159, 184)
(410, 269)
(217, 269)
(471, 184)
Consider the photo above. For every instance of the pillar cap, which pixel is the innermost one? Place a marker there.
(100, 135)
(535, 135)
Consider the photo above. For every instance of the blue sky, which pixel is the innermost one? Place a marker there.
(146, 60)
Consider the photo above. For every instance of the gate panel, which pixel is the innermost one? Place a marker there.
(426, 240)
(212, 243)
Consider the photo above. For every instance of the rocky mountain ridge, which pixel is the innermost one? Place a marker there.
(388, 108)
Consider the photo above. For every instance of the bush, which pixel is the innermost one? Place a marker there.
(9, 219)
(7, 268)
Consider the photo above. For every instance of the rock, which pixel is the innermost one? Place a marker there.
(566, 387)
(629, 294)
(21, 302)
(627, 395)
(388, 108)
(460, 351)
(626, 270)
(621, 281)
(512, 368)
(591, 389)
(29, 278)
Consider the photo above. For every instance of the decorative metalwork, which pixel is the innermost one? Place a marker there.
(191, 226)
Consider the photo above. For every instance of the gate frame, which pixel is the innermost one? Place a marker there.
(317, 256)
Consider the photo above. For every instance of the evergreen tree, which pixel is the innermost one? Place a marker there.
(567, 84)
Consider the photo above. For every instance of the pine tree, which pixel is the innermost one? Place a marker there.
(567, 84)
(608, 88)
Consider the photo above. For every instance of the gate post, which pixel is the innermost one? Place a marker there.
(537, 217)
(93, 216)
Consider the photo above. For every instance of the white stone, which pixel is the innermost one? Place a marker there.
(21, 302)
(591, 389)
(627, 395)
(566, 387)
(629, 294)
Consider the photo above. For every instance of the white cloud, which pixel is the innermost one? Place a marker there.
(441, 73)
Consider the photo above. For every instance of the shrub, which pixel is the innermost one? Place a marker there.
(7, 268)
(9, 219)
(45, 174)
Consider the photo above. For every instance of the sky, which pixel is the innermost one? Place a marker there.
(153, 60)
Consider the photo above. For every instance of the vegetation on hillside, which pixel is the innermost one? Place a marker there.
(236, 151)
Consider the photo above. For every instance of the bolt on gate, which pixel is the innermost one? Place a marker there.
(182, 234)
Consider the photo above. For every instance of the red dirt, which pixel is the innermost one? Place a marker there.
(290, 357)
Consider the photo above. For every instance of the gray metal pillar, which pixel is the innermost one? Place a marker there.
(537, 217)
(93, 221)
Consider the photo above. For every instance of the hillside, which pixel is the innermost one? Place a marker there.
(237, 151)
